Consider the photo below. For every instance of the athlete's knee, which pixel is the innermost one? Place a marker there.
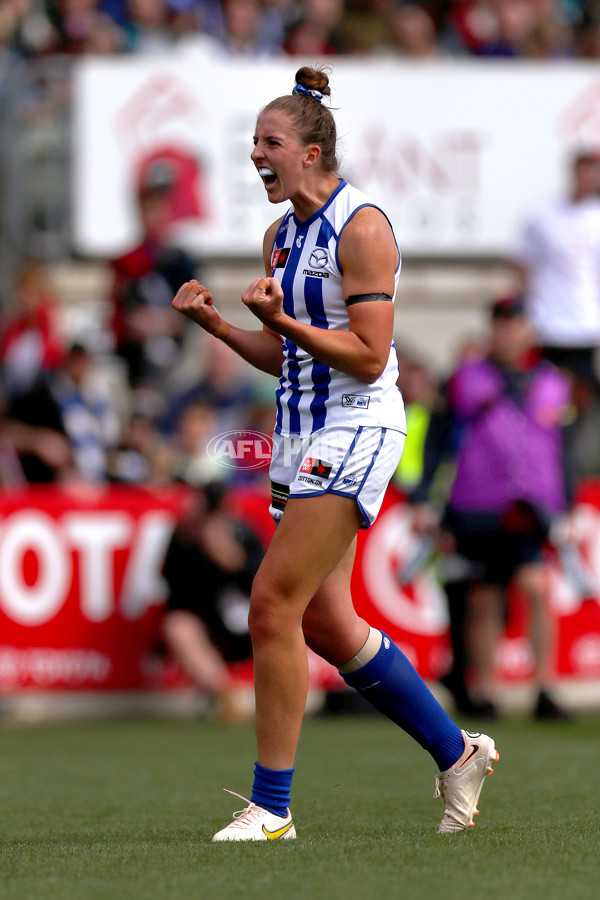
(263, 623)
(271, 614)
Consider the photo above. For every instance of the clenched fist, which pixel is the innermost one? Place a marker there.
(264, 298)
(195, 301)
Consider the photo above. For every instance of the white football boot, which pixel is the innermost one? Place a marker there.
(256, 824)
(460, 785)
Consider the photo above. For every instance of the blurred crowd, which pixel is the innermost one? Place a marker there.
(144, 408)
(70, 414)
(141, 402)
(415, 29)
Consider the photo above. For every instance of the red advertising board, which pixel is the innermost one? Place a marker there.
(80, 586)
(415, 615)
(81, 594)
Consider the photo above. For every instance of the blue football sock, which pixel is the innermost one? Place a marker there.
(272, 788)
(391, 684)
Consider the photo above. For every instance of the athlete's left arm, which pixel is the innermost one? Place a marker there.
(368, 258)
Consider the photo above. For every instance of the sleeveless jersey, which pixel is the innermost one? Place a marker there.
(312, 395)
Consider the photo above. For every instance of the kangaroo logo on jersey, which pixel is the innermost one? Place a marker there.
(279, 257)
(318, 258)
(299, 240)
(317, 467)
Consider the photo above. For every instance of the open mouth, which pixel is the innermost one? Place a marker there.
(267, 176)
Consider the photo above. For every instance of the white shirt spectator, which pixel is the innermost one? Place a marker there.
(561, 252)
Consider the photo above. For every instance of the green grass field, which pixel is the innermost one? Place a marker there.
(126, 809)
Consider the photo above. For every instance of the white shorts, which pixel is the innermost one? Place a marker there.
(346, 460)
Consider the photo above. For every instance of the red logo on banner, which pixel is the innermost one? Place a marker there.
(580, 121)
(81, 592)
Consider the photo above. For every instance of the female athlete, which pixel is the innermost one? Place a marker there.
(326, 308)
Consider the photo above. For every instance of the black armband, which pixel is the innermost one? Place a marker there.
(365, 298)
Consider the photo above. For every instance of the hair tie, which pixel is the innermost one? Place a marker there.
(300, 89)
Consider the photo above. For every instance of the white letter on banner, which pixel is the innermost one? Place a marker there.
(96, 535)
(38, 532)
(143, 585)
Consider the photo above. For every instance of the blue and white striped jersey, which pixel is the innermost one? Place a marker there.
(312, 395)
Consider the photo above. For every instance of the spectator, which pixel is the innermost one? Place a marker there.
(77, 23)
(105, 38)
(147, 332)
(514, 22)
(513, 28)
(222, 386)
(186, 20)
(559, 264)
(118, 10)
(510, 484)
(437, 428)
(365, 25)
(209, 566)
(551, 37)
(419, 391)
(318, 31)
(26, 27)
(242, 21)
(587, 34)
(276, 18)
(11, 472)
(142, 457)
(190, 460)
(470, 24)
(63, 428)
(585, 447)
(412, 33)
(10, 21)
(148, 28)
(440, 448)
(260, 420)
(31, 341)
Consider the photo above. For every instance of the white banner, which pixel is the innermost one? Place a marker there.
(457, 153)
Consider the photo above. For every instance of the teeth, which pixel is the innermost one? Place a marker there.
(264, 172)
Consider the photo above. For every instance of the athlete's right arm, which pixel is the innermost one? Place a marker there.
(262, 349)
